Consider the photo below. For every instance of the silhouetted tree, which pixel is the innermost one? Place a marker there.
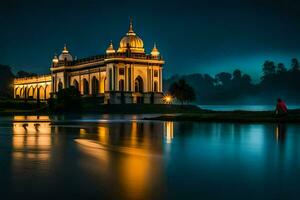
(268, 68)
(182, 91)
(67, 99)
(281, 68)
(223, 78)
(276, 81)
(237, 74)
(295, 64)
(23, 74)
(6, 89)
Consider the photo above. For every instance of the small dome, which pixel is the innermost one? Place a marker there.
(155, 51)
(65, 55)
(110, 49)
(55, 59)
(131, 41)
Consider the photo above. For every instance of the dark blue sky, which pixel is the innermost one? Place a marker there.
(193, 36)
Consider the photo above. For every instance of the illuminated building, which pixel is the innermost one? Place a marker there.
(125, 75)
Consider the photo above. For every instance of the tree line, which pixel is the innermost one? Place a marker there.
(237, 87)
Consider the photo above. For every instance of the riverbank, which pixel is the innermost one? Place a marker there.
(233, 117)
(32, 108)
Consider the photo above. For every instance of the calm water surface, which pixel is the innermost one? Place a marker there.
(123, 157)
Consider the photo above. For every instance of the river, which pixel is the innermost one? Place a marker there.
(125, 157)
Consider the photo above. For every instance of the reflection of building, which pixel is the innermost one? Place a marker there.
(169, 131)
(31, 140)
(127, 75)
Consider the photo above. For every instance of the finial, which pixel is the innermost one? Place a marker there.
(131, 32)
(65, 50)
(155, 51)
(110, 48)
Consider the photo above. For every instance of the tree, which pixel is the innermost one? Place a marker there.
(182, 91)
(23, 74)
(224, 78)
(237, 74)
(6, 79)
(281, 68)
(68, 99)
(246, 79)
(268, 68)
(295, 64)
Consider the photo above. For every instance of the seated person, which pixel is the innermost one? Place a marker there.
(281, 107)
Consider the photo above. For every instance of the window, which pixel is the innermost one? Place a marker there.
(121, 71)
(155, 73)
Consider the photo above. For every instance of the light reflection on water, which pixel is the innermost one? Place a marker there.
(134, 159)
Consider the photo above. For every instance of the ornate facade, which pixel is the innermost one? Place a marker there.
(126, 75)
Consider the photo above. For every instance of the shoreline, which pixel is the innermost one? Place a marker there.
(233, 117)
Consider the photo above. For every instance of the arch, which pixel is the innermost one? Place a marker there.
(102, 84)
(36, 92)
(121, 85)
(41, 93)
(22, 93)
(30, 93)
(60, 85)
(47, 91)
(76, 84)
(139, 85)
(155, 86)
(95, 86)
(17, 93)
(86, 89)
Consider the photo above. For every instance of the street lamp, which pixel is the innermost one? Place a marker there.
(168, 99)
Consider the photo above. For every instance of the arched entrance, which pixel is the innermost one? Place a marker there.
(22, 93)
(47, 92)
(155, 88)
(17, 93)
(139, 85)
(139, 88)
(60, 86)
(41, 94)
(86, 89)
(121, 85)
(30, 93)
(76, 84)
(95, 86)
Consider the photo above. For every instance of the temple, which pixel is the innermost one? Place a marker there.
(126, 75)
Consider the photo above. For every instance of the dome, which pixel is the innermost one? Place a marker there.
(131, 41)
(155, 52)
(55, 59)
(110, 48)
(65, 55)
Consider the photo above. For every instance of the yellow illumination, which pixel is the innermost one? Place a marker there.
(168, 99)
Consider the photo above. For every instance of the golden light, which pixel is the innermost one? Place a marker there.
(168, 99)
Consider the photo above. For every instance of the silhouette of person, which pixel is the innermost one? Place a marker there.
(281, 108)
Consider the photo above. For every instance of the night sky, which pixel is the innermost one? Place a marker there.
(193, 36)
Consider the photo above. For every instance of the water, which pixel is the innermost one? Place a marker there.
(130, 158)
(244, 107)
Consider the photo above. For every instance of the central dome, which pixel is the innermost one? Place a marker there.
(131, 41)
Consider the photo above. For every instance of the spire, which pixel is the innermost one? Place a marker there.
(155, 52)
(65, 50)
(131, 32)
(110, 48)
